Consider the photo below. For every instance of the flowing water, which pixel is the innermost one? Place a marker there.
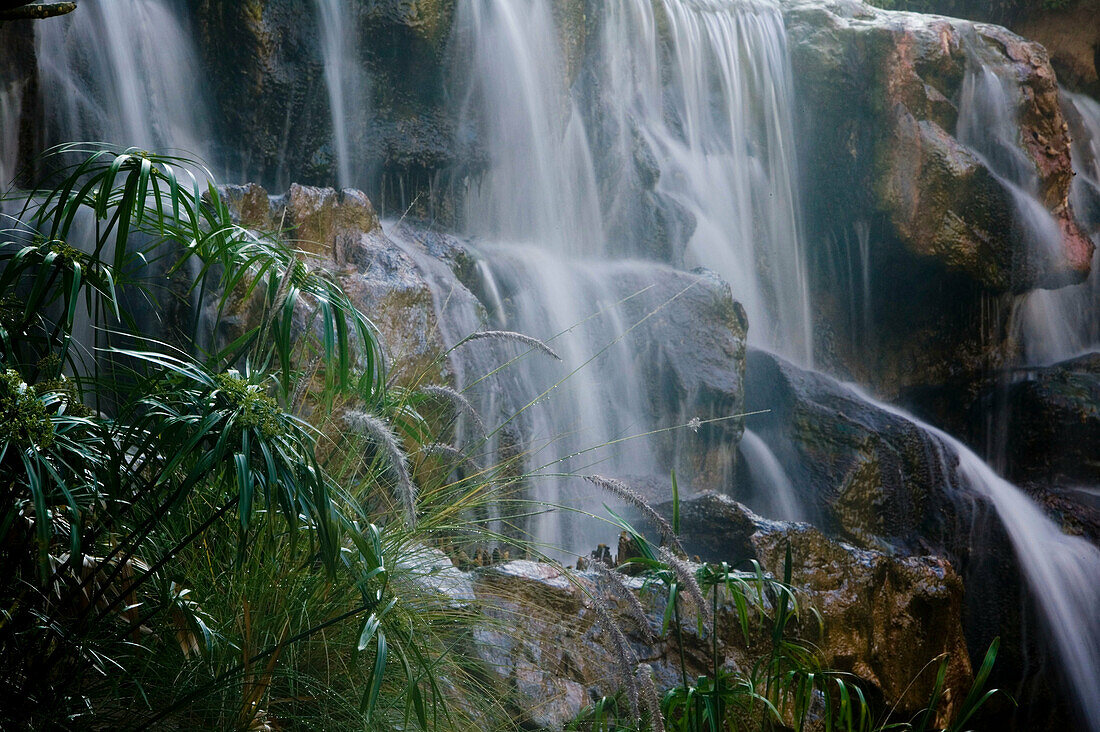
(716, 117)
(1061, 570)
(567, 413)
(124, 72)
(11, 103)
(347, 84)
(1056, 325)
(541, 183)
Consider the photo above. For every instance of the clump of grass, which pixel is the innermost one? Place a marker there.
(459, 401)
(633, 604)
(651, 701)
(627, 494)
(624, 656)
(685, 574)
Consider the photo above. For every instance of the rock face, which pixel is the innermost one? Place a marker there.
(886, 88)
(424, 292)
(1052, 423)
(882, 94)
(342, 233)
(867, 474)
(881, 617)
(275, 104)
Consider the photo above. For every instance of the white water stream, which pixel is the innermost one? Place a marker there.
(124, 72)
(347, 85)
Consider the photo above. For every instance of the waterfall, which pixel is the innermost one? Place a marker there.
(567, 412)
(346, 81)
(717, 120)
(1048, 325)
(124, 72)
(780, 497)
(1061, 570)
(1056, 325)
(540, 186)
(708, 128)
(11, 103)
(989, 124)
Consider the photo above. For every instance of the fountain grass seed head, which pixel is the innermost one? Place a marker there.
(380, 433)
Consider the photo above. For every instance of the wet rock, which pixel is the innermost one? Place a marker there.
(274, 104)
(1052, 423)
(882, 88)
(691, 351)
(340, 231)
(884, 617)
(864, 473)
(919, 237)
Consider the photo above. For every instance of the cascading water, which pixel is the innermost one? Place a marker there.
(1061, 570)
(688, 109)
(717, 120)
(10, 108)
(723, 156)
(541, 183)
(347, 88)
(124, 72)
(989, 125)
(567, 415)
(781, 498)
(1056, 325)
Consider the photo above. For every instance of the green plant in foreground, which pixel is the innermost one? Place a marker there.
(182, 548)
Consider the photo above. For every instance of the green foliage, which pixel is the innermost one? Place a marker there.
(181, 548)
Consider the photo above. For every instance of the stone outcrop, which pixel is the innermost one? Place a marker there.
(880, 95)
(423, 291)
(274, 105)
(341, 232)
(884, 88)
(865, 473)
(884, 618)
(1052, 423)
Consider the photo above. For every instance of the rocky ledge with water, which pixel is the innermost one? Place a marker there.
(880, 615)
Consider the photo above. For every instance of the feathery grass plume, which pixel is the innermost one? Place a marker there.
(442, 449)
(634, 605)
(626, 493)
(297, 399)
(624, 656)
(651, 700)
(460, 402)
(508, 335)
(686, 576)
(370, 426)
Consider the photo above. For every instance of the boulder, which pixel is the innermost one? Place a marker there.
(340, 231)
(884, 618)
(940, 232)
(884, 88)
(862, 472)
(1052, 423)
